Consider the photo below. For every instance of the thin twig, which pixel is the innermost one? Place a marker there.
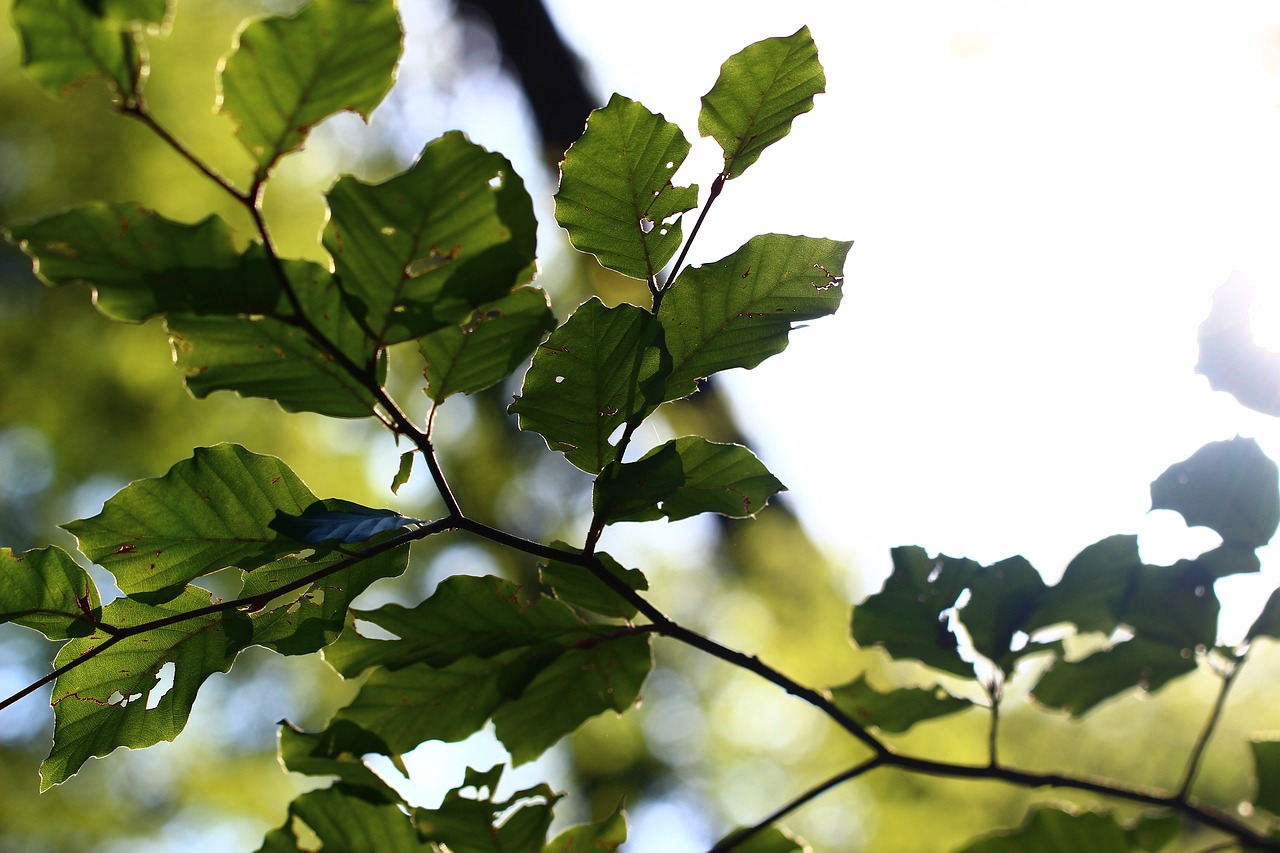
(1206, 734)
(137, 109)
(716, 186)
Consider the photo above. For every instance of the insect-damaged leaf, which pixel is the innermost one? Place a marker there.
(616, 199)
(117, 698)
(472, 819)
(208, 512)
(761, 89)
(46, 590)
(738, 311)
(350, 818)
(1230, 487)
(608, 834)
(685, 477)
(603, 368)
(422, 250)
(286, 74)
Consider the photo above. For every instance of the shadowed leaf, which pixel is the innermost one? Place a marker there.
(897, 710)
(1230, 487)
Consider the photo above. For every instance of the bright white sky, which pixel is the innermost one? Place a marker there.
(1043, 197)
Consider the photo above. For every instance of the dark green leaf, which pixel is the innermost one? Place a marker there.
(286, 74)
(1094, 590)
(739, 310)
(114, 699)
(1268, 622)
(608, 834)
(333, 752)
(603, 368)
(1076, 687)
(616, 199)
(760, 91)
(277, 358)
(421, 251)
(908, 617)
(350, 818)
(685, 477)
(1001, 597)
(471, 824)
(209, 512)
(494, 341)
(1052, 830)
(773, 839)
(63, 43)
(339, 521)
(1266, 769)
(898, 710)
(579, 587)
(141, 264)
(1228, 486)
(46, 590)
(124, 13)
(312, 616)
(1173, 605)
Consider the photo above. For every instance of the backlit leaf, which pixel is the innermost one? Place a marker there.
(1230, 487)
(760, 91)
(772, 839)
(1266, 769)
(1077, 686)
(579, 587)
(491, 345)
(118, 699)
(141, 264)
(208, 512)
(350, 818)
(46, 590)
(277, 358)
(738, 311)
(616, 198)
(603, 368)
(897, 710)
(63, 43)
(908, 617)
(1094, 590)
(480, 823)
(685, 477)
(333, 752)
(1001, 597)
(422, 250)
(1052, 830)
(608, 834)
(286, 74)
(123, 13)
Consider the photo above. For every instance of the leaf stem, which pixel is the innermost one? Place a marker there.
(1206, 734)
(716, 186)
(136, 108)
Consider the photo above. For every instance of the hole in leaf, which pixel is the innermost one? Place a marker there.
(305, 837)
(164, 683)
(387, 231)
(116, 698)
(496, 181)
(559, 379)
(1018, 641)
(646, 225)
(671, 164)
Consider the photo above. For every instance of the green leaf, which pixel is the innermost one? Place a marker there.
(63, 43)
(403, 472)
(1173, 605)
(208, 512)
(339, 521)
(286, 74)
(113, 699)
(897, 710)
(616, 199)
(1266, 769)
(1228, 486)
(772, 839)
(350, 818)
(421, 251)
(1076, 687)
(576, 585)
(141, 264)
(46, 590)
(608, 834)
(1094, 590)
(1052, 830)
(1268, 622)
(333, 752)
(739, 310)
(471, 824)
(493, 342)
(1001, 597)
(759, 92)
(685, 477)
(277, 358)
(125, 13)
(312, 616)
(908, 617)
(603, 368)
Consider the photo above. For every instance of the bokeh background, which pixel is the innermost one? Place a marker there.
(1043, 197)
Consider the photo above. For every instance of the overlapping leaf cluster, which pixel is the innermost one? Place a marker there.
(439, 259)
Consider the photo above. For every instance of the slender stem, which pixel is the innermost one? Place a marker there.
(599, 518)
(716, 186)
(136, 108)
(737, 838)
(994, 692)
(248, 603)
(1206, 734)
